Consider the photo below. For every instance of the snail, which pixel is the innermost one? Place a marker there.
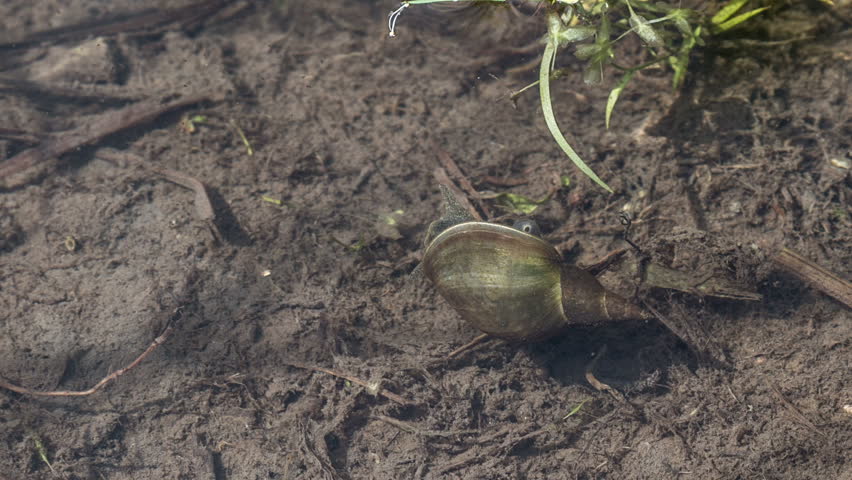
(510, 283)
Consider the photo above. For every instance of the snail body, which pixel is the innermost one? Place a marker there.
(514, 285)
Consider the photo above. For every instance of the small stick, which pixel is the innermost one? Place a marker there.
(524, 68)
(505, 182)
(603, 264)
(145, 21)
(599, 385)
(372, 388)
(242, 136)
(675, 329)
(36, 89)
(19, 135)
(112, 376)
(202, 201)
(467, 346)
(797, 414)
(818, 277)
(410, 428)
(94, 130)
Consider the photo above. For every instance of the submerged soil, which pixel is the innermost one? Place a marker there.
(300, 271)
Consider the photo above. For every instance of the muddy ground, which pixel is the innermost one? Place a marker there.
(99, 253)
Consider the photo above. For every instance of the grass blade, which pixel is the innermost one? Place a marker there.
(550, 119)
(739, 19)
(613, 95)
(727, 11)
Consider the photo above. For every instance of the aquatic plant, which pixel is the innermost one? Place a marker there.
(594, 27)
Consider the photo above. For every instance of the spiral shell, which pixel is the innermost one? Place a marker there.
(514, 285)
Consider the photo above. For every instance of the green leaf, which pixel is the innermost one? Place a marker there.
(357, 246)
(679, 66)
(547, 60)
(272, 200)
(598, 54)
(587, 51)
(613, 95)
(388, 225)
(519, 204)
(645, 31)
(682, 24)
(643, 28)
(680, 62)
(575, 410)
(593, 74)
(575, 34)
(739, 19)
(42, 451)
(603, 31)
(697, 37)
(727, 11)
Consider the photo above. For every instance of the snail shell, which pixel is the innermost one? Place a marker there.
(514, 285)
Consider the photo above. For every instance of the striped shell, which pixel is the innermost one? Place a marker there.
(503, 281)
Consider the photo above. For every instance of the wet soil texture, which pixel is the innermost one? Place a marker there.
(221, 175)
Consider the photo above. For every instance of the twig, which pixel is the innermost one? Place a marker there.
(528, 66)
(148, 21)
(410, 428)
(467, 346)
(93, 131)
(602, 422)
(19, 135)
(505, 182)
(112, 376)
(38, 90)
(318, 451)
(242, 135)
(373, 388)
(202, 201)
(485, 453)
(603, 264)
(599, 385)
(797, 414)
(674, 328)
(694, 283)
(815, 275)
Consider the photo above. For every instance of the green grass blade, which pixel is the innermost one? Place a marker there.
(613, 95)
(680, 61)
(575, 410)
(727, 11)
(550, 119)
(739, 19)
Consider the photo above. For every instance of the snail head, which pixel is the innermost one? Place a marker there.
(454, 214)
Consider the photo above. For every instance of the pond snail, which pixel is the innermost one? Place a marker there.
(508, 282)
